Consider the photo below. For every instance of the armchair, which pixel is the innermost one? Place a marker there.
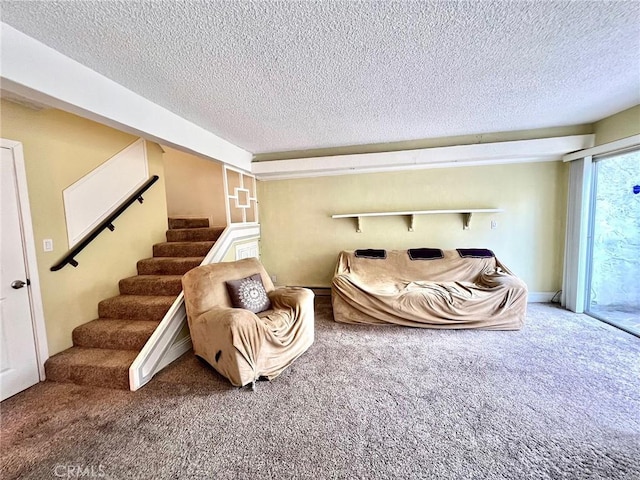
(241, 345)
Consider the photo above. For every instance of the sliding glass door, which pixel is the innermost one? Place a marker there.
(614, 246)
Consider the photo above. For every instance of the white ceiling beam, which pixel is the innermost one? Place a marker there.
(605, 148)
(40, 73)
(520, 151)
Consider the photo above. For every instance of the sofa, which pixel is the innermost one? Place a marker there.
(428, 288)
(241, 344)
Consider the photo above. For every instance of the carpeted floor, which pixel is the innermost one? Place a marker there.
(559, 399)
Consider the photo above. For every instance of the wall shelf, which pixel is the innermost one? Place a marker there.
(465, 212)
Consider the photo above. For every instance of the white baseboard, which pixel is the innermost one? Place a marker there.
(540, 297)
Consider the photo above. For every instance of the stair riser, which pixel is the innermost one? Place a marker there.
(132, 312)
(193, 235)
(188, 223)
(158, 287)
(178, 249)
(158, 267)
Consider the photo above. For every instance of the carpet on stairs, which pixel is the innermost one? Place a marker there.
(104, 348)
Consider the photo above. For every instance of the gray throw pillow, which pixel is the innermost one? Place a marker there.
(249, 293)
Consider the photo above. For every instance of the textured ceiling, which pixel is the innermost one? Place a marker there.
(276, 76)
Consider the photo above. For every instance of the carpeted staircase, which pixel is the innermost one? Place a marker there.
(104, 349)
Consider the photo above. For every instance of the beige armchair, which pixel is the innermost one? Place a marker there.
(239, 344)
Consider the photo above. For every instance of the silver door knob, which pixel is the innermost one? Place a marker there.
(17, 284)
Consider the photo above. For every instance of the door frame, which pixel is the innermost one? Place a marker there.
(29, 248)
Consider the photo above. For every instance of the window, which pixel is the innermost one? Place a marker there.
(613, 259)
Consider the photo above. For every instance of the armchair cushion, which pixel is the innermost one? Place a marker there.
(248, 293)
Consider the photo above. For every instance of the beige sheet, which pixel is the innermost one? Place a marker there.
(452, 292)
(240, 345)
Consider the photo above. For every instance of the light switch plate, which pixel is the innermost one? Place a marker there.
(47, 245)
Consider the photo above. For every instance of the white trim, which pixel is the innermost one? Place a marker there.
(227, 202)
(540, 297)
(519, 151)
(95, 196)
(236, 192)
(162, 347)
(39, 73)
(401, 168)
(247, 250)
(35, 293)
(242, 176)
(254, 199)
(605, 148)
(232, 234)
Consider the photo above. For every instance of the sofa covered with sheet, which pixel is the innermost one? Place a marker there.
(453, 291)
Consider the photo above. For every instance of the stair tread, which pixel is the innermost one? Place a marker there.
(167, 265)
(194, 234)
(182, 249)
(195, 231)
(185, 222)
(136, 307)
(172, 259)
(100, 357)
(114, 333)
(92, 366)
(154, 278)
(151, 285)
(154, 299)
(188, 243)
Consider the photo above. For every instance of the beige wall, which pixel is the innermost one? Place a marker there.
(59, 148)
(300, 241)
(621, 125)
(195, 187)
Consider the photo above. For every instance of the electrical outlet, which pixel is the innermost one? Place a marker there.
(274, 279)
(494, 224)
(47, 245)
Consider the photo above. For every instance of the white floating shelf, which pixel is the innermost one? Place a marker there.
(465, 212)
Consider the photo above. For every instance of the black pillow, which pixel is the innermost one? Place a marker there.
(249, 293)
(371, 253)
(425, 253)
(475, 253)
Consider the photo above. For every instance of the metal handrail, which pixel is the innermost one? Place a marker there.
(69, 258)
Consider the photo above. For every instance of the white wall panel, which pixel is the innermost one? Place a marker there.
(95, 196)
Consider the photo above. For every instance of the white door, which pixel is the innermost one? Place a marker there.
(18, 363)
